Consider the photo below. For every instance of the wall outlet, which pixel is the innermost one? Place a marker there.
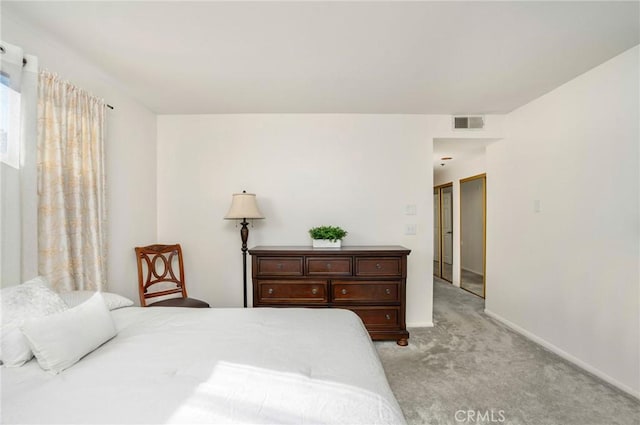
(410, 229)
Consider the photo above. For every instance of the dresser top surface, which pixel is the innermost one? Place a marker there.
(350, 250)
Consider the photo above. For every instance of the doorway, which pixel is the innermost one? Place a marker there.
(473, 234)
(443, 231)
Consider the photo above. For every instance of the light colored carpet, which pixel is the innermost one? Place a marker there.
(470, 365)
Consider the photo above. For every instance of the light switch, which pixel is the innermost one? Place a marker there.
(536, 205)
(410, 229)
(410, 209)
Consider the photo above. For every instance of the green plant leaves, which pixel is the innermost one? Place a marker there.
(332, 233)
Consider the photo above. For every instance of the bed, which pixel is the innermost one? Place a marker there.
(179, 365)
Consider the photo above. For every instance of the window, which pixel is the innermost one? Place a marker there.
(9, 123)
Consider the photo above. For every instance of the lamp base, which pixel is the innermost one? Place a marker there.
(244, 235)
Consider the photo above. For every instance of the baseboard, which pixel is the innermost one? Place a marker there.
(564, 355)
(420, 325)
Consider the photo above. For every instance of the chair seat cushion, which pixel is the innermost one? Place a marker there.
(180, 302)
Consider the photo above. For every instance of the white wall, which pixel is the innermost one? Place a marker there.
(130, 150)
(356, 171)
(568, 276)
(452, 174)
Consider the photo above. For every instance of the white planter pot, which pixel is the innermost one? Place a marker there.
(326, 243)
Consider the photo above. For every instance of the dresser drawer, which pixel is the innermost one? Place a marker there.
(329, 266)
(368, 280)
(379, 317)
(292, 291)
(380, 266)
(279, 266)
(366, 291)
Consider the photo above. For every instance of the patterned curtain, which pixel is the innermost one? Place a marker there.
(71, 188)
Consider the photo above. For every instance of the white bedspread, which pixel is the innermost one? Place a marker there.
(180, 365)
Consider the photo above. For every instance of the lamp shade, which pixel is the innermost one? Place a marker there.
(243, 205)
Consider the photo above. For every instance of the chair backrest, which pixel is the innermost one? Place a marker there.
(157, 264)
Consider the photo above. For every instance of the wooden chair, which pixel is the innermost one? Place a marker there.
(157, 266)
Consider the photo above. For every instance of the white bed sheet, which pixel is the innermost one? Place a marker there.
(180, 365)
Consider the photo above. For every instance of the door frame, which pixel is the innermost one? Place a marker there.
(483, 177)
(440, 234)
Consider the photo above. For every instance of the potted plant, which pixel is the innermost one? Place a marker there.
(327, 236)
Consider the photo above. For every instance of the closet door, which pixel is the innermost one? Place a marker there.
(446, 220)
(443, 231)
(437, 265)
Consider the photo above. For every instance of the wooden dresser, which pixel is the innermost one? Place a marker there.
(368, 280)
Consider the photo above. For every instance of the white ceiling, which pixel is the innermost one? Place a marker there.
(181, 57)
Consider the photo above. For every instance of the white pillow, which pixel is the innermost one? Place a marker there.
(113, 301)
(31, 299)
(60, 340)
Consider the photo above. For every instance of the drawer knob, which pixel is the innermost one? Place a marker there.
(344, 292)
(387, 291)
(314, 291)
(279, 266)
(270, 291)
(378, 266)
(329, 266)
(388, 317)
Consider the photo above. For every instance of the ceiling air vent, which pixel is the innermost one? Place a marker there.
(468, 122)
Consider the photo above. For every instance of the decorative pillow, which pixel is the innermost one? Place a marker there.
(31, 299)
(60, 340)
(113, 301)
